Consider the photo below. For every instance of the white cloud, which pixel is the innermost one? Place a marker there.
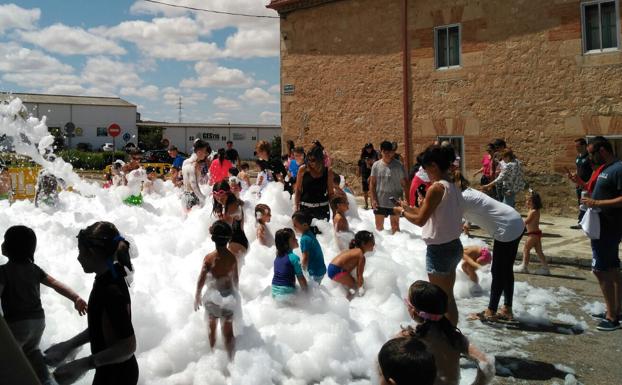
(275, 89)
(150, 92)
(220, 117)
(211, 75)
(43, 80)
(258, 96)
(226, 103)
(247, 43)
(270, 117)
(106, 74)
(14, 58)
(15, 17)
(171, 97)
(66, 40)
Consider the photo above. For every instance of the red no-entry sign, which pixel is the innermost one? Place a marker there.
(114, 130)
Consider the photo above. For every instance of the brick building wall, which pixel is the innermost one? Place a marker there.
(523, 77)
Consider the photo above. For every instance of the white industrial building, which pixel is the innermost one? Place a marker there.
(243, 136)
(90, 116)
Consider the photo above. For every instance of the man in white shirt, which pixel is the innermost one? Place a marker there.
(191, 172)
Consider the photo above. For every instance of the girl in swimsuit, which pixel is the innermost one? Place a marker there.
(230, 209)
(340, 267)
(534, 235)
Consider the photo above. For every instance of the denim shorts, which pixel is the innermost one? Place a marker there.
(444, 258)
(605, 254)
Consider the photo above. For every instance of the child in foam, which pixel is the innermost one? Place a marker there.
(534, 235)
(220, 296)
(341, 266)
(427, 305)
(473, 258)
(401, 360)
(110, 332)
(287, 266)
(262, 216)
(243, 176)
(20, 281)
(312, 255)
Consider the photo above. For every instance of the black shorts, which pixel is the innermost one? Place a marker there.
(365, 183)
(384, 211)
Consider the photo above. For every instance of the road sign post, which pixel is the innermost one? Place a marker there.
(114, 130)
(69, 130)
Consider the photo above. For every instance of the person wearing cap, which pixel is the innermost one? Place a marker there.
(368, 156)
(386, 182)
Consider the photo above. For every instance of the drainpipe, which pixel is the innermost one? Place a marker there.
(405, 79)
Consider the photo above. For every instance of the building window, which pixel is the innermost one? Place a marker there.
(600, 25)
(447, 46)
(102, 131)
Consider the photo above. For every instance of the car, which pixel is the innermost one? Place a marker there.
(108, 147)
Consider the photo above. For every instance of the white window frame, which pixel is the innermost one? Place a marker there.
(441, 138)
(600, 26)
(436, 29)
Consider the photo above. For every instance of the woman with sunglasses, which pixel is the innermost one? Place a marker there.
(314, 185)
(229, 208)
(103, 251)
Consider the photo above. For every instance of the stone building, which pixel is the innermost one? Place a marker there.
(537, 73)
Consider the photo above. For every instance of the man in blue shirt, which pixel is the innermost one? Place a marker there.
(607, 199)
(178, 161)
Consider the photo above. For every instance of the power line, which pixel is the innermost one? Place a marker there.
(212, 11)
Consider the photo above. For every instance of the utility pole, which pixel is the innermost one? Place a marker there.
(179, 107)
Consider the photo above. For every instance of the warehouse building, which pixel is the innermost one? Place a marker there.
(84, 120)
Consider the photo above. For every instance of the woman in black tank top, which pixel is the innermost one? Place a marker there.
(314, 185)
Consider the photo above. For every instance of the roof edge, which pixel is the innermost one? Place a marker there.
(287, 6)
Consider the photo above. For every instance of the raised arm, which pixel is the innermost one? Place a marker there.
(62, 289)
(419, 216)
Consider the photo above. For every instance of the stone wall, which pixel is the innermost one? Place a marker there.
(523, 78)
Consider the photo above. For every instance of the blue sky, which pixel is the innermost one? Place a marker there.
(225, 68)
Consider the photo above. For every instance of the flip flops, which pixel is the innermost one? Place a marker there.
(482, 317)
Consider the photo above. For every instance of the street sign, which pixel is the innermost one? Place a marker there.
(114, 130)
(70, 128)
(127, 137)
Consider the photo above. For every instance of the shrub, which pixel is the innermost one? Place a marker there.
(90, 160)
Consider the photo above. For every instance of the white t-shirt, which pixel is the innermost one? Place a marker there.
(499, 220)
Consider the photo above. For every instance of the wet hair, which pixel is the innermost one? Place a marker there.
(599, 142)
(441, 156)
(581, 141)
(150, 169)
(221, 155)
(260, 210)
(19, 244)
(299, 150)
(338, 200)
(221, 233)
(499, 144)
(105, 238)
(430, 298)
(200, 144)
(304, 218)
(317, 152)
(508, 153)
(217, 207)
(536, 200)
(263, 146)
(244, 166)
(234, 171)
(405, 360)
(361, 238)
(281, 241)
(336, 178)
(464, 183)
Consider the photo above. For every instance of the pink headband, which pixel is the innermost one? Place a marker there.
(422, 314)
(484, 256)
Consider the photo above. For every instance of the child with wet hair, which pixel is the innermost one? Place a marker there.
(262, 217)
(20, 280)
(340, 222)
(220, 296)
(244, 177)
(312, 255)
(427, 305)
(342, 265)
(406, 361)
(287, 268)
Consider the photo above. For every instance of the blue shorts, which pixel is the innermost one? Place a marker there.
(444, 258)
(605, 254)
(335, 271)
